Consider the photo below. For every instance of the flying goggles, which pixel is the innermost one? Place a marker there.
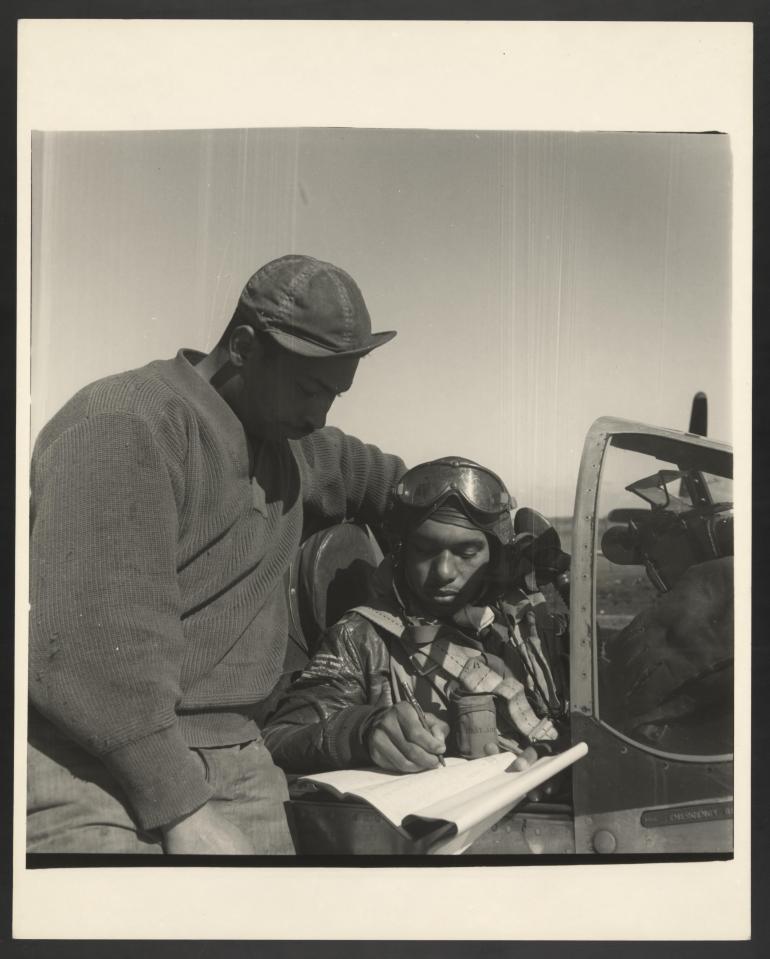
(429, 484)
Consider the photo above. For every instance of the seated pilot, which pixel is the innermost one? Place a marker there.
(447, 657)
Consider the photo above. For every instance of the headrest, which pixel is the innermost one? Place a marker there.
(330, 575)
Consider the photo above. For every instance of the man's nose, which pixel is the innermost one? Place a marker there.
(444, 568)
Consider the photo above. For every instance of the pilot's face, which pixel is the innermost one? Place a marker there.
(445, 566)
(288, 396)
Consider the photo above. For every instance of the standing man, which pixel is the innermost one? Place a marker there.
(167, 503)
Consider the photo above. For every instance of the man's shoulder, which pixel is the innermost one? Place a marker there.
(351, 621)
(146, 392)
(154, 382)
(356, 627)
(382, 616)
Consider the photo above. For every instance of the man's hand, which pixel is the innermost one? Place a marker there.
(522, 762)
(206, 833)
(399, 742)
(525, 760)
(540, 793)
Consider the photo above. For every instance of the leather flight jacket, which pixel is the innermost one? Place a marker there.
(358, 671)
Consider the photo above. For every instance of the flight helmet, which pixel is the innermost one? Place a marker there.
(451, 480)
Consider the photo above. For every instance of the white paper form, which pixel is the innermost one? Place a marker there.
(480, 807)
(465, 792)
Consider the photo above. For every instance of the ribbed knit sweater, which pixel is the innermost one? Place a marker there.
(158, 614)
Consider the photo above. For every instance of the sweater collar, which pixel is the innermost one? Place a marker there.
(201, 394)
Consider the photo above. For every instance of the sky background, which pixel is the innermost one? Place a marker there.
(536, 280)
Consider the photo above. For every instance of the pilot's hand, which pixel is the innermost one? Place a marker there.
(398, 741)
(525, 760)
(545, 791)
(522, 762)
(206, 832)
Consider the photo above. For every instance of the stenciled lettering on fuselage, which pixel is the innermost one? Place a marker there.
(681, 815)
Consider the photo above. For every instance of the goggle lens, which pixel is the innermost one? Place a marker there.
(425, 485)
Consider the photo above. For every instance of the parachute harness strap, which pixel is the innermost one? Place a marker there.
(522, 632)
(431, 645)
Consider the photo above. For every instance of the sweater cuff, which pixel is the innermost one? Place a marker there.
(347, 743)
(162, 777)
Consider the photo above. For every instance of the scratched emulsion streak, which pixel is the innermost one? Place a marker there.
(537, 280)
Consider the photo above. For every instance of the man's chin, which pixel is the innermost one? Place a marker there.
(442, 606)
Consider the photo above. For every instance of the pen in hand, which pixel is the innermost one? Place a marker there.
(412, 700)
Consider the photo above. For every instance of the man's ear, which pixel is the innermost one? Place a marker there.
(243, 343)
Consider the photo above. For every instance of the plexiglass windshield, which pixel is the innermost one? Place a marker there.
(664, 595)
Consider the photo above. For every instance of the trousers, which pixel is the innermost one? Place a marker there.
(74, 805)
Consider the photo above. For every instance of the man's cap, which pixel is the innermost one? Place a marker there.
(309, 307)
